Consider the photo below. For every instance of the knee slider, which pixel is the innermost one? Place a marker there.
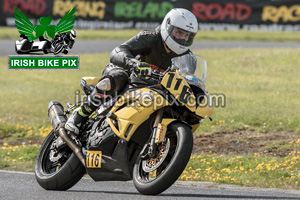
(105, 84)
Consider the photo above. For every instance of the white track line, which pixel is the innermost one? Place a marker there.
(16, 172)
(28, 173)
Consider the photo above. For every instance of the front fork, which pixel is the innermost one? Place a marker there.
(152, 148)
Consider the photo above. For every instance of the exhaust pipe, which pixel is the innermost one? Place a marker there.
(58, 120)
(57, 116)
(76, 149)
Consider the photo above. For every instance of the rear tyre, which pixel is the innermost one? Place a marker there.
(154, 175)
(60, 175)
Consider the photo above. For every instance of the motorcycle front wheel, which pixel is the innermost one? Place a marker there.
(151, 176)
(60, 172)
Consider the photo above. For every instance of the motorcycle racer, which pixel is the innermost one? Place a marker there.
(67, 38)
(172, 38)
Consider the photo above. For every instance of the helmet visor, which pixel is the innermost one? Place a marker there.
(73, 34)
(182, 37)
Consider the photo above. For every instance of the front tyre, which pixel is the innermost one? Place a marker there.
(154, 175)
(61, 174)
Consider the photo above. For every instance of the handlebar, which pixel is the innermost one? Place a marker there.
(154, 72)
(150, 73)
(157, 74)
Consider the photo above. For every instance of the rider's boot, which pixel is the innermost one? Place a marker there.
(76, 119)
(79, 116)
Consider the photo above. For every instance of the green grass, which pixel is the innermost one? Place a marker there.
(12, 33)
(26, 93)
(255, 170)
(260, 86)
(19, 157)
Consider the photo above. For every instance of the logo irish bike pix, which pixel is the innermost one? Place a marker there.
(36, 41)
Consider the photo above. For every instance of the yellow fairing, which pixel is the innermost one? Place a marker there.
(205, 109)
(194, 127)
(179, 87)
(181, 90)
(91, 80)
(140, 104)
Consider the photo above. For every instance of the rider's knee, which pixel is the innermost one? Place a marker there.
(114, 79)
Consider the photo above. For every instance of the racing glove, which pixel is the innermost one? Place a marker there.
(142, 68)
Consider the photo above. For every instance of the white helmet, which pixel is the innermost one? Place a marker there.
(186, 25)
(73, 34)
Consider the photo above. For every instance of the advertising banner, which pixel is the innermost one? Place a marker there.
(269, 15)
(274, 15)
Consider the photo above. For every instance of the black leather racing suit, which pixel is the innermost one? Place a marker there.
(149, 45)
(146, 46)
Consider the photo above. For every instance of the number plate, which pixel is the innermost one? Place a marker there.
(180, 89)
(93, 159)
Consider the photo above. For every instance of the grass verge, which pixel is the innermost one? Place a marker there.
(258, 89)
(257, 170)
(12, 33)
(18, 157)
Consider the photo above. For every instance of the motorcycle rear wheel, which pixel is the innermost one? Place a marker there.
(177, 152)
(57, 176)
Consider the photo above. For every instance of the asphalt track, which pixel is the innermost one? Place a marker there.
(7, 47)
(21, 185)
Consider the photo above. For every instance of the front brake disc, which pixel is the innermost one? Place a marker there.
(152, 164)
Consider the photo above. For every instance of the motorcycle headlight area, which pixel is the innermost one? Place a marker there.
(198, 91)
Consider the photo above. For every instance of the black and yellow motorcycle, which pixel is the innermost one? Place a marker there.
(144, 134)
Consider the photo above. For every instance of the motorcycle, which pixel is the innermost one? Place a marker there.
(145, 134)
(61, 43)
(24, 46)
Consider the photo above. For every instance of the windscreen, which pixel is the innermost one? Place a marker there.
(192, 66)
